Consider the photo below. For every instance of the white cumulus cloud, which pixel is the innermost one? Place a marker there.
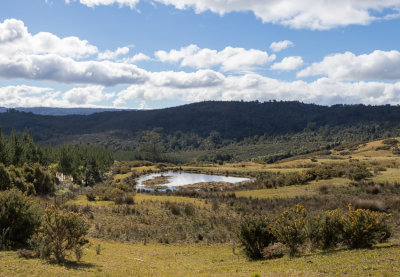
(94, 3)
(137, 58)
(228, 59)
(31, 96)
(86, 95)
(15, 39)
(112, 55)
(288, 63)
(308, 14)
(378, 65)
(66, 70)
(277, 46)
(44, 56)
(209, 85)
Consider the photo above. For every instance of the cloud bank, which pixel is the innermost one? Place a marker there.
(228, 59)
(299, 14)
(378, 65)
(217, 75)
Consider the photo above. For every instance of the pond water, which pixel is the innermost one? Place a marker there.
(178, 179)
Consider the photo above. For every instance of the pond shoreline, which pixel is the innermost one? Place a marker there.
(176, 180)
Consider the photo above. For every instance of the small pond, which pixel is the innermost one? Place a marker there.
(178, 179)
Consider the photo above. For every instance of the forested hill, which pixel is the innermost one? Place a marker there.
(233, 120)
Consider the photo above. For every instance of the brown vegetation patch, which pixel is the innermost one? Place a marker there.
(157, 181)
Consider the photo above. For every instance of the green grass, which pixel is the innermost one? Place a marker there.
(126, 259)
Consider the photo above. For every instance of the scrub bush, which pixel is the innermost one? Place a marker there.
(61, 233)
(290, 228)
(19, 217)
(255, 235)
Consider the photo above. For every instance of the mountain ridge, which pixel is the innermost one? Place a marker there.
(232, 120)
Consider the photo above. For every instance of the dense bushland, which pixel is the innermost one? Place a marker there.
(218, 131)
(295, 228)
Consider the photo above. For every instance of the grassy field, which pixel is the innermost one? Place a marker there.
(139, 198)
(293, 191)
(185, 257)
(390, 175)
(126, 259)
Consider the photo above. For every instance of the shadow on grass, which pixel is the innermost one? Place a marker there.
(344, 249)
(77, 265)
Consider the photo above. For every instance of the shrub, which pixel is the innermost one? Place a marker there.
(110, 193)
(363, 228)
(189, 209)
(91, 196)
(325, 230)
(18, 180)
(396, 151)
(42, 179)
(5, 181)
(173, 207)
(375, 189)
(290, 228)
(98, 249)
(324, 189)
(62, 232)
(40, 246)
(124, 198)
(390, 141)
(313, 230)
(255, 235)
(357, 172)
(331, 229)
(129, 200)
(19, 217)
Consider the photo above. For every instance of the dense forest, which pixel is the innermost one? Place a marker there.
(250, 128)
(233, 120)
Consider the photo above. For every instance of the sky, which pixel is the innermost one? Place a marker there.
(146, 54)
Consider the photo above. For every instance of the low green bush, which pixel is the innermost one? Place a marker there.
(255, 235)
(364, 228)
(60, 234)
(290, 228)
(330, 231)
(19, 217)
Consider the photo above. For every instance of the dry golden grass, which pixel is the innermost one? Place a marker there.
(126, 259)
(390, 175)
(142, 169)
(292, 191)
(139, 198)
(122, 176)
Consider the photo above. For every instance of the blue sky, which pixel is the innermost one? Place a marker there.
(154, 54)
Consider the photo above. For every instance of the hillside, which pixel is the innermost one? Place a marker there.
(217, 125)
(198, 231)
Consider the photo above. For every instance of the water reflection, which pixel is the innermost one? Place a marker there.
(178, 179)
